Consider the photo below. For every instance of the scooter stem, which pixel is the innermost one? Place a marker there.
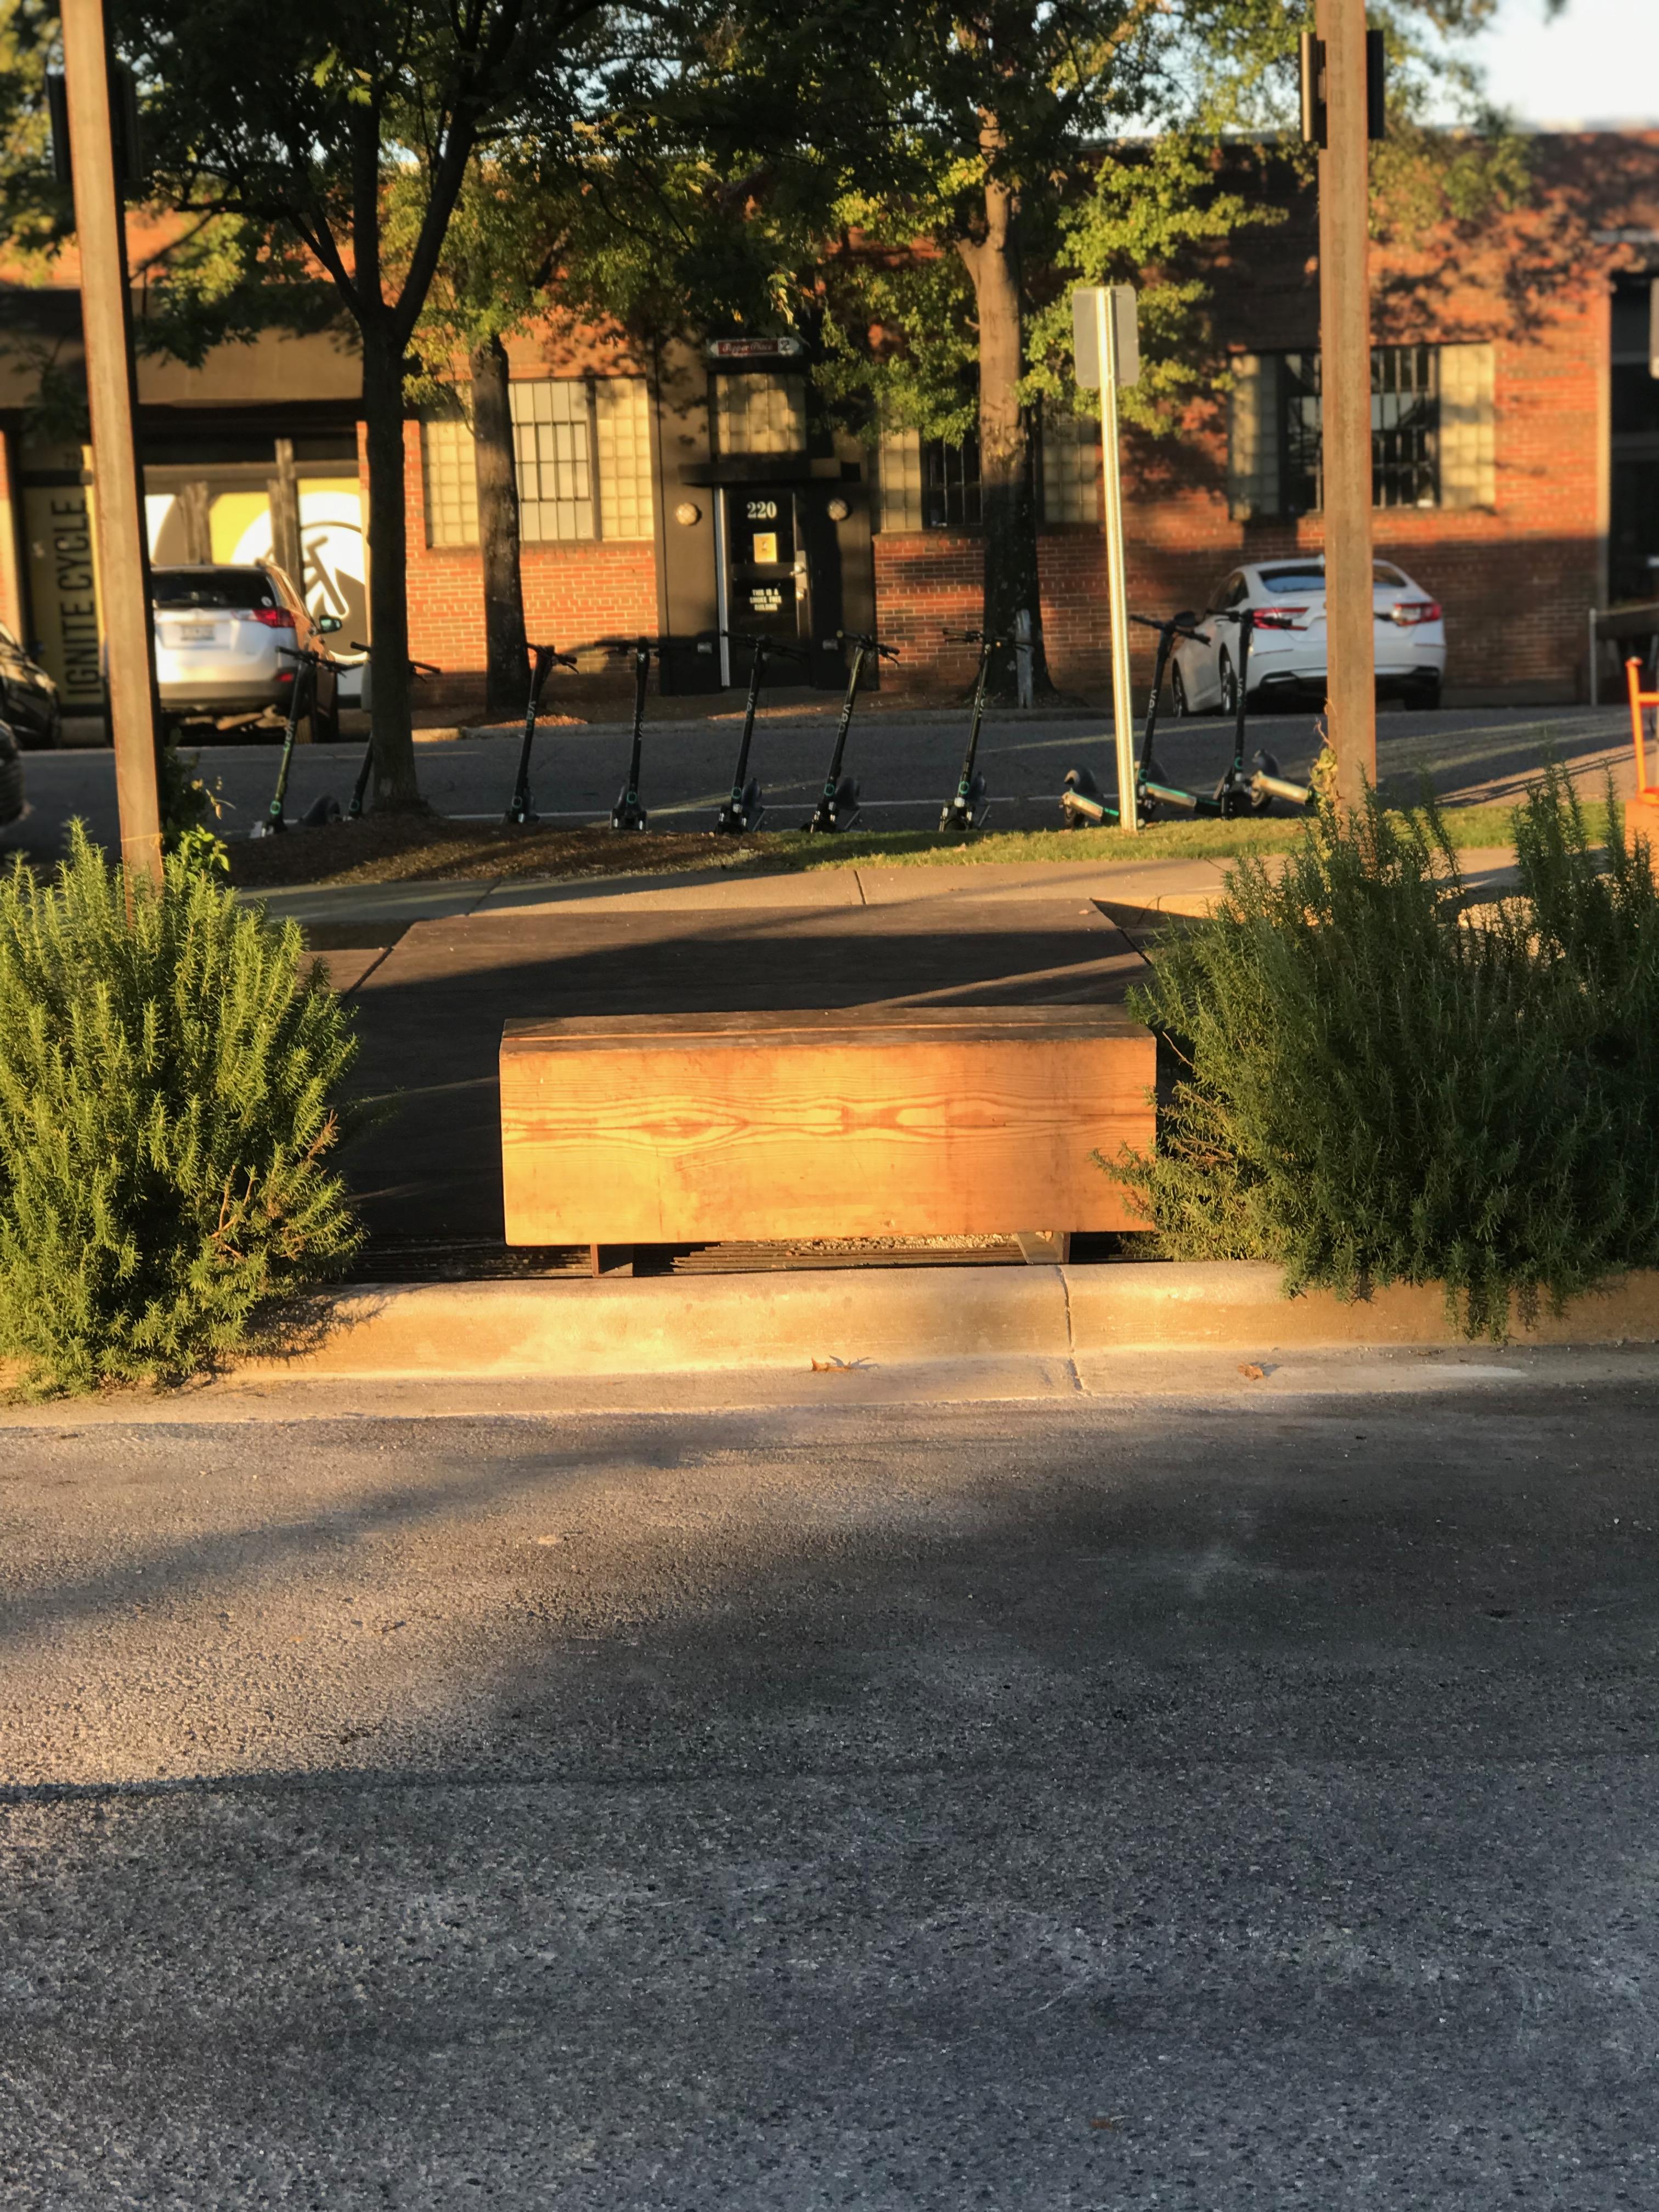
(518, 812)
(641, 677)
(1246, 625)
(964, 781)
(833, 778)
(304, 671)
(1165, 647)
(755, 676)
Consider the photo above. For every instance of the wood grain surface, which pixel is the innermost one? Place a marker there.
(863, 1122)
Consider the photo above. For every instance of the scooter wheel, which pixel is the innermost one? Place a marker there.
(1264, 764)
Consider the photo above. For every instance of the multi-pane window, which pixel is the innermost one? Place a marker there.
(553, 445)
(1071, 467)
(1432, 418)
(1405, 425)
(926, 484)
(760, 412)
(622, 429)
(582, 450)
(451, 483)
(949, 485)
(898, 471)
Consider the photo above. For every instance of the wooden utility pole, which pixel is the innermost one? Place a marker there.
(1345, 339)
(106, 320)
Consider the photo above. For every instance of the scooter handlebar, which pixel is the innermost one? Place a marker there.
(976, 637)
(770, 644)
(415, 667)
(1174, 629)
(870, 644)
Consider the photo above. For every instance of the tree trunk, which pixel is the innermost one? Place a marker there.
(395, 786)
(1007, 488)
(506, 651)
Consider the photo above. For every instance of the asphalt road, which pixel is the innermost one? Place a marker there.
(1137, 1804)
(907, 764)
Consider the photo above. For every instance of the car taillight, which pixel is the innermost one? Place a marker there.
(1277, 618)
(1406, 613)
(273, 618)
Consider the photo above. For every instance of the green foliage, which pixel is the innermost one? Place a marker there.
(185, 804)
(1382, 1085)
(34, 209)
(167, 1070)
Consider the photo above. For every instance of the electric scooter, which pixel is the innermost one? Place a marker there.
(416, 668)
(1253, 790)
(628, 813)
(519, 812)
(744, 809)
(304, 692)
(1082, 800)
(964, 810)
(838, 808)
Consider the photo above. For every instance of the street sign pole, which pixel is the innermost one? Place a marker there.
(1099, 359)
(105, 316)
(1345, 407)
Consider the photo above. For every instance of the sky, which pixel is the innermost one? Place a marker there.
(1597, 62)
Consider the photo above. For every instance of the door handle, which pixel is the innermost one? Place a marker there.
(800, 575)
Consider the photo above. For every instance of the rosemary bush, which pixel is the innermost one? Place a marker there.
(1380, 1086)
(168, 1069)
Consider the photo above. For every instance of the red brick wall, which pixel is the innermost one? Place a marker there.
(572, 592)
(1517, 580)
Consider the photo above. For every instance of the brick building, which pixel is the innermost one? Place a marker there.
(689, 489)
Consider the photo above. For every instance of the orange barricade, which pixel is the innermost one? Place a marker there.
(1640, 701)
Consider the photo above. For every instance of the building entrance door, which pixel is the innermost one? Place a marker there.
(769, 591)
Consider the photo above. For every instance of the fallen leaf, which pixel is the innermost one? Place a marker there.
(1110, 2122)
(834, 1366)
(1251, 1372)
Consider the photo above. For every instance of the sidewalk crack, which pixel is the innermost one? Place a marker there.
(1078, 1384)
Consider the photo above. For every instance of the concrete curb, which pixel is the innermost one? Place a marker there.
(885, 1318)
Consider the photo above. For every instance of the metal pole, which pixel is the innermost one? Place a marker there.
(1117, 592)
(1344, 334)
(124, 567)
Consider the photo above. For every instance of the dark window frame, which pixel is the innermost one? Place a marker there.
(1405, 430)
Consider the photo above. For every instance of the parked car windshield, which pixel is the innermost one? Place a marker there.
(211, 587)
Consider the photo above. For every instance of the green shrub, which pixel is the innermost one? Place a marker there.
(166, 1083)
(1378, 1085)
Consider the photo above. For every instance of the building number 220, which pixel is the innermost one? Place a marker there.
(762, 510)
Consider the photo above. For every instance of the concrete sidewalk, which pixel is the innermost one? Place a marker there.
(436, 970)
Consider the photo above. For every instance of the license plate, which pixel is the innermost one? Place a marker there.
(195, 633)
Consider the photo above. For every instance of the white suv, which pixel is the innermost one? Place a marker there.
(1288, 643)
(220, 635)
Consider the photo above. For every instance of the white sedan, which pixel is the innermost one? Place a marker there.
(1287, 641)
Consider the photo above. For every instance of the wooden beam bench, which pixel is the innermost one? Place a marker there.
(860, 1121)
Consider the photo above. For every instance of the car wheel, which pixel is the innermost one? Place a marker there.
(1424, 698)
(1179, 706)
(1229, 688)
